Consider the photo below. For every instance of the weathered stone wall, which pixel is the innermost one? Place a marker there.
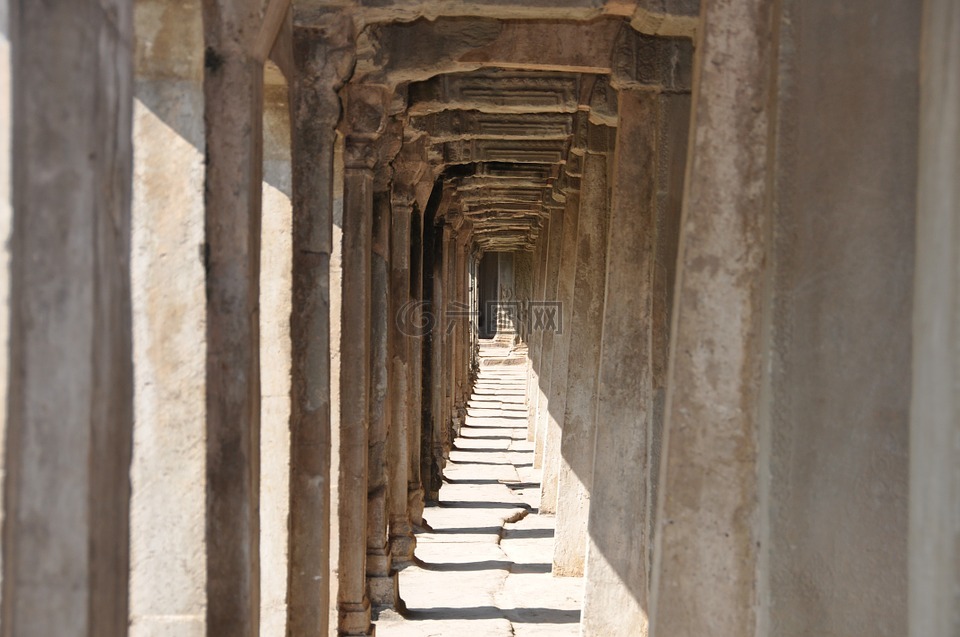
(275, 306)
(168, 508)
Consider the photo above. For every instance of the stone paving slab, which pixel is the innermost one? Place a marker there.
(484, 565)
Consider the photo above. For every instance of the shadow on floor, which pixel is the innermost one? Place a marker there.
(485, 565)
(515, 615)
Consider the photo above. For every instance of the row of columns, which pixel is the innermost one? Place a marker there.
(593, 399)
(766, 391)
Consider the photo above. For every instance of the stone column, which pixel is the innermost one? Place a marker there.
(353, 603)
(362, 152)
(69, 407)
(835, 439)
(415, 482)
(706, 541)
(586, 328)
(318, 62)
(442, 440)
(544, 321)
(430, 468)
(381, 580)
(402, 540)
(233, 105)
(275, 302)
(615, 598)
(461, 317)
(560, 359)
(533, 338)
(935, 426)
(167, 516)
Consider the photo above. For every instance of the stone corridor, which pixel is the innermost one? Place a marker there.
(484, 565)
(607, 318)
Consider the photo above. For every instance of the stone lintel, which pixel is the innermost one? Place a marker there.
(453, 125)
(411, 51)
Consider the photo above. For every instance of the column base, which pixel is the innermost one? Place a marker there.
(403, 542)
(353, 620)
(415, 504)
(384, 591)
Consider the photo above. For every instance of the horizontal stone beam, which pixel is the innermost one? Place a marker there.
(531, 152)
(457, 125)
(655, 17)
(409, 52)
(516, 92)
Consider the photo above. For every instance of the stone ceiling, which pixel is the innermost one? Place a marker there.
(501, 110)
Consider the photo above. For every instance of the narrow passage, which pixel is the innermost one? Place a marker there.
(484, 568)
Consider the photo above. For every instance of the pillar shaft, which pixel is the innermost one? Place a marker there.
(353, 604)
(402, 539)
(934, 484)
(233, 88)
(586, 328)
(69, 403)
(615, 599)
(415, 483)
(381, 581)
(317, 109)
(534, 339)
(706, 539)
(544, 320)
(560, 360)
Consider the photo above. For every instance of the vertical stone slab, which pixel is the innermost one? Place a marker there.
(276, 284)
(843, 284)
(233, 104)
(69, 410)
(706, 555)
(586, 329)
(534, 340)
(672, 137)
(402, 539)
(935, 410)
(168, 475)
(545, 322)
(557, 397)
(615, 597)
(381, 580)
(530, 394)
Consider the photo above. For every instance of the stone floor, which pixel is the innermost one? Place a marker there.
(485, 566)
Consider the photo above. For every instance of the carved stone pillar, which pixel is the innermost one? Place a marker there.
(69, 402)
(402, 540)
(415, 484)
(586, 328)
(381, 580)
(364, 108)
(318, 61)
